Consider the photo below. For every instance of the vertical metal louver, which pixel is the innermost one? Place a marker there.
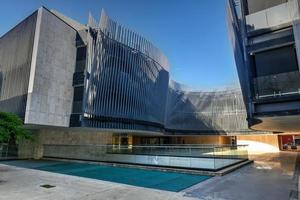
(127, 79)
(15, 61)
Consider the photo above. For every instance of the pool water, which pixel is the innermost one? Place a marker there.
(170, 181)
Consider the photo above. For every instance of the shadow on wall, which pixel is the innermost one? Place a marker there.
(217, 112)
(181, 114)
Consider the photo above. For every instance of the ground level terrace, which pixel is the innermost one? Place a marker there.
(68, 136)
(208, 152)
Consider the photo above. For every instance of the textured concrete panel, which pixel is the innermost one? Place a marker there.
(71, 138)
(268, 18)
(74, 137)
(51, 92)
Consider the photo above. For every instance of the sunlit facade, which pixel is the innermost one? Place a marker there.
(100, 91)
(104, 76)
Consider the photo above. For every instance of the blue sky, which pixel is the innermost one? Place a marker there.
(192, 33)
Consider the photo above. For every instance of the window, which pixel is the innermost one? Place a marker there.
(80, 66)
(81, 53)
(275, 61)
(78, 93)
(77, 107)
(77, 100)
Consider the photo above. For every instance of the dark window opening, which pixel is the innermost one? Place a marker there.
(77, 99)
(79, 41)
(78, 93)
(81, 53)
(77, 107)
(275, 61)
(80, 66)
(124, 140)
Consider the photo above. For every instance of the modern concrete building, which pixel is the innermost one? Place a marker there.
(265, 36)
(56, 72)
(88, 90)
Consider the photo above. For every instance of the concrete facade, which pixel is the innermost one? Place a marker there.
(107, 79)
(50, 91)
(265, 37)
(74, 81)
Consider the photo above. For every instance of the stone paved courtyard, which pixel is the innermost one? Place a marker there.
(270, 177)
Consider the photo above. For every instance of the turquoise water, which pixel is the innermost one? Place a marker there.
(170, 181)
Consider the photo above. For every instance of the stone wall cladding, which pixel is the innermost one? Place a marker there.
(50, 101)
(67, 136)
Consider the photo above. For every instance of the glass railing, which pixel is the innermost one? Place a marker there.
(177, 150)
(278, 85)
(211, 157)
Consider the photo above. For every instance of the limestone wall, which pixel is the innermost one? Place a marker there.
(50, 91)
(61, 136)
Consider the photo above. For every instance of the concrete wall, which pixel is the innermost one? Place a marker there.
(64, 136)
(26, 149)
(74, 136)
(258, 5)
(269, 17)
(50, 91)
